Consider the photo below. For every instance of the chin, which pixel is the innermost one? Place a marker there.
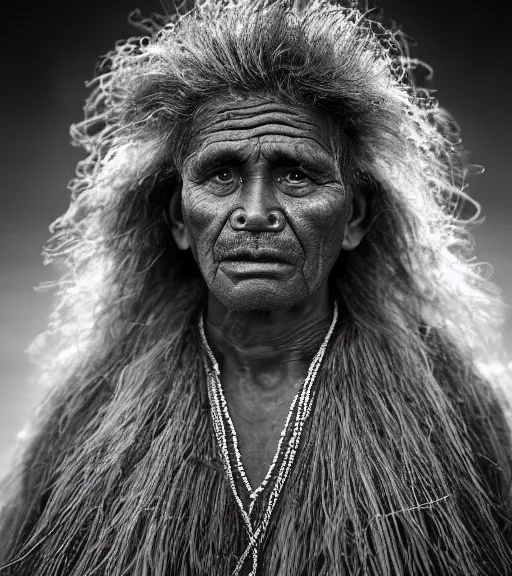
(260, 295)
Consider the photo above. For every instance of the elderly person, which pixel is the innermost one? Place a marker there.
(267, 353)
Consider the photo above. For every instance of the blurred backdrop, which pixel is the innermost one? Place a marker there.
(49, 50)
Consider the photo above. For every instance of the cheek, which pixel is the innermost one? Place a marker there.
(321, 231)
(203, 217)
(198, 212)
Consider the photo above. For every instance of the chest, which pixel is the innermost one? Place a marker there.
(258, 420)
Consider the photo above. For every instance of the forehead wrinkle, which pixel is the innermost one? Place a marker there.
(261, 110)
(247, 133)
(232, 120)
(255, 121)
(261, 135)
(227, 109)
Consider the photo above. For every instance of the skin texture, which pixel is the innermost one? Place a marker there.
(261, 181)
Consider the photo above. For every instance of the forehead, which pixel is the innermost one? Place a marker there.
(230, 123)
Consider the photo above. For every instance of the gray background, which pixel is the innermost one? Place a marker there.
(48, 53)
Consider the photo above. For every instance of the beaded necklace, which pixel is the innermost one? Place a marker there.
(292, 429)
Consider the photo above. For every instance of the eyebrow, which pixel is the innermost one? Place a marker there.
(310, 159)
(206, 161)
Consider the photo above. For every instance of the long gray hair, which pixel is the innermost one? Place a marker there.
(412, 466)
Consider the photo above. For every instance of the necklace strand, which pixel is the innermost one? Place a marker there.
(220, 434)
(220, 413)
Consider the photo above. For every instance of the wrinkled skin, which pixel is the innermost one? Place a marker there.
(261, 181)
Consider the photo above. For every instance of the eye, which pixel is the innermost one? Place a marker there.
(223, 176)
(296, 177)
(294, 181)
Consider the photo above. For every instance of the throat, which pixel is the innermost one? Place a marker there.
(259, 345)
(258, 428)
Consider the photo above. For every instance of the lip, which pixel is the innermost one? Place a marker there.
(261, 256)
(261, 268)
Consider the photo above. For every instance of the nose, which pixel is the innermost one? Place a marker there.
(271, 221)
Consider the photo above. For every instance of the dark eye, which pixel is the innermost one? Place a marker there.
(296, 177)
(224, 175)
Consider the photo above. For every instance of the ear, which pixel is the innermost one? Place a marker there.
(178, 227)
(355, 228)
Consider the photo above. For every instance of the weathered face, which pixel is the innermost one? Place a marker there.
(264, 209)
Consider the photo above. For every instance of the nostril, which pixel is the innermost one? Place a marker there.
(256, 221)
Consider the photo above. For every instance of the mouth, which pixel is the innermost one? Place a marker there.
(256, 260)
(259, 257)
(257, 265)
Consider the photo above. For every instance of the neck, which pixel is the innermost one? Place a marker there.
(269, 348)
